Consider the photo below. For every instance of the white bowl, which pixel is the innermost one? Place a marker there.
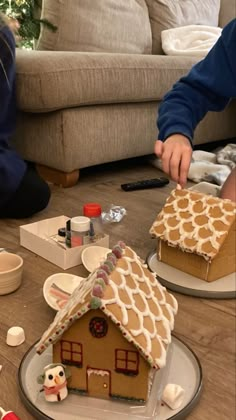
(93, 256)
(58, 288)
(11, 268)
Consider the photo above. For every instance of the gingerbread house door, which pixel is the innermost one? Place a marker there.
(98, 382)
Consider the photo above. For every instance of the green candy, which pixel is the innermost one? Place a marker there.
(95, 302)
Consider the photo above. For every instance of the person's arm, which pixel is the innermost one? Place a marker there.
(12, 167)
(208, 87)
(7, 82)
(228, 190)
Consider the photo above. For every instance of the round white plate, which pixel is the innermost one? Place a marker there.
(61, 284)
(183, 368)
(178, 281)
(93, 256)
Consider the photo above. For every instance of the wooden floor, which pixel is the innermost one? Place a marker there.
(207, 326)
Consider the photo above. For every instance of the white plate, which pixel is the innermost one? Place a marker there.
(184, 369)
(93, 256)
(178, 281)
(62, 284)
(207, 188)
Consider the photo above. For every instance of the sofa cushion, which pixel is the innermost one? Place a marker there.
(165, 14)
(104, 26)
(50, 80)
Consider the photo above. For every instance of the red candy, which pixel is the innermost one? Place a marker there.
(117, 251)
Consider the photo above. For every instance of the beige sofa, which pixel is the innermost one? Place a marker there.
(90, 92)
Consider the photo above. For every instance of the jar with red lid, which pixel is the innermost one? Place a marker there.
(94, 212)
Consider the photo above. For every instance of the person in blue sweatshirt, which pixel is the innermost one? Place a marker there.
(22, 191)
(209, 86)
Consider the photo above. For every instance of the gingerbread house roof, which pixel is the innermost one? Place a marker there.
(129, 294)
(195, 222)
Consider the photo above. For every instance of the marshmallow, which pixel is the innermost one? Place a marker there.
(173, 396)
(15, 336)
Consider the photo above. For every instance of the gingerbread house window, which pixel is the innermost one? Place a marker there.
(127, 362)
(72, 353)
(98, 327)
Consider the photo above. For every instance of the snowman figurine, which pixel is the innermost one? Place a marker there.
(54, 380)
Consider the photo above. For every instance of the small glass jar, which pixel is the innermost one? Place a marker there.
(94, 211)
(80, 228)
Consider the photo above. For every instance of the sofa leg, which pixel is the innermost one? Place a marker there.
(64, 179)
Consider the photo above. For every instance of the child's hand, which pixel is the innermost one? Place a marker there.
(175, 153)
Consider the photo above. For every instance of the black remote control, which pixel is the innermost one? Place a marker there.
(145, 184)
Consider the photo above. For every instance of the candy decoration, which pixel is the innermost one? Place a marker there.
(122, 244)
(106, 268)
(173, 396)
(54, 380)
(95, 302)
(101, 282)
(110, 265)
(103, 275)
(97, 290)
(117, 250)
(98, 327)
(111, 257)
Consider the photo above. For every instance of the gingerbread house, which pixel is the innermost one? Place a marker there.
(196, 234)
(115, 330)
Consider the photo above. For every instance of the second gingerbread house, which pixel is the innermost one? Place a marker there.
(196, 234)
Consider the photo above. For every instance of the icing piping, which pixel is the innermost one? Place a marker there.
(98, 372)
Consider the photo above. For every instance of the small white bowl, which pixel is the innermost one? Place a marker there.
(93, 256)
(11, 268)
(58, 288)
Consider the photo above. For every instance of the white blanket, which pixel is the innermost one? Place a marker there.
(210, 167)
(189, 40)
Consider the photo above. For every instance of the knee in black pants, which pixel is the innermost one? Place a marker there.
(32, 196)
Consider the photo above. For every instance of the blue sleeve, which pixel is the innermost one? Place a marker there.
(209, 86)
(12, 167)
(7, 83)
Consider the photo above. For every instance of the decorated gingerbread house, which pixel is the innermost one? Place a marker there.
(196, 234)
(115, 330)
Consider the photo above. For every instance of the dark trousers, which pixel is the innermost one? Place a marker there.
(22, 191)
(32, 196)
